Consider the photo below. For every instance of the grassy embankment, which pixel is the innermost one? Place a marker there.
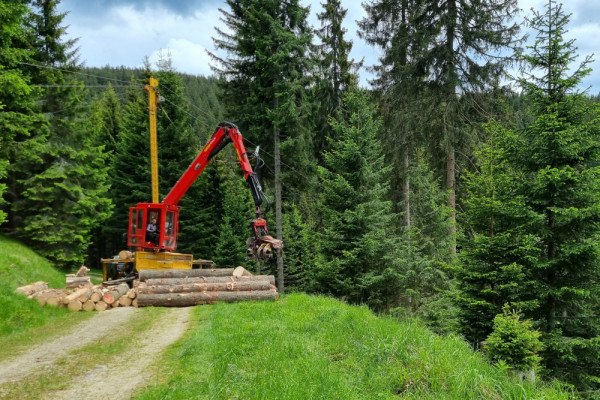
(300, 347)
(311, 347)
(22, 321)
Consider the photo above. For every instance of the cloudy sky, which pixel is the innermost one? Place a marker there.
(123, 32)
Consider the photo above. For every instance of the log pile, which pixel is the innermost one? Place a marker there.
(181, 288)
(159, 288)
(83, 298)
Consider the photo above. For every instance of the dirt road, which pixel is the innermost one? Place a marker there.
(57, 369)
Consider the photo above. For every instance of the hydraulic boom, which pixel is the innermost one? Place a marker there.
(166, 212)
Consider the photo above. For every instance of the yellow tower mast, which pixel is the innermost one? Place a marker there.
(152, 104)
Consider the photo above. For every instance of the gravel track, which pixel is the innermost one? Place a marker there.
(102, 381)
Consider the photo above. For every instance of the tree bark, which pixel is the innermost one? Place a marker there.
(74, 281)
(76, 294)
(75, 305)
(89, 306)
(32, 288)
(83, 271)
(406, 183)
(195, 298)
(125, 301)
(113, 295)
(184, 273)
(278, 208)
(206, 287)
(451, 186)
(216, 279)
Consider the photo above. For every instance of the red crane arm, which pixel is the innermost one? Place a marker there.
(226, 132)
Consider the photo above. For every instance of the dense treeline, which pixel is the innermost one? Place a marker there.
(439, 193)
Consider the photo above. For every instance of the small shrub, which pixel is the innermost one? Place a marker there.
(514, 341)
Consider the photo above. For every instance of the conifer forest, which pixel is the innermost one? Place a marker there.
(447, 190)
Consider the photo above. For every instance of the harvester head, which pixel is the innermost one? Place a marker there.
(261, 248)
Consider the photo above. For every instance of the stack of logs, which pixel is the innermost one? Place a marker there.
(86, 298)
(170, 288)
(180, 288)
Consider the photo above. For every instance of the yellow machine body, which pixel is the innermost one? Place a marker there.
(162, 260)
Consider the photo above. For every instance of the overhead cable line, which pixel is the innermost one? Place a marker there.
(129, 83)
(79, 73)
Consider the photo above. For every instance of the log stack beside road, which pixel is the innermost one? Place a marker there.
(159, 288)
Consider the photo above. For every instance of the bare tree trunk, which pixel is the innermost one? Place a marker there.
(451, 186)
(278, 212)
(406, 183)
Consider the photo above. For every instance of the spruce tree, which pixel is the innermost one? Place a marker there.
(336, 72)
(63, 191)
(265, 76)
(497, 252)
(108, 112)
(301, 250)
(23, 129)
(358, 241)
(130, 167)
(445, 52)
(238, 211)
(558, 155)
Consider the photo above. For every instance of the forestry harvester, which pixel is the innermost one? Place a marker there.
(157, 252)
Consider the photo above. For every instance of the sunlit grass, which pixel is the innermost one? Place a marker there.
(308, 347)
(21, 266)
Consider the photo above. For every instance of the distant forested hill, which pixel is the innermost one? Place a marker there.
(201, 93)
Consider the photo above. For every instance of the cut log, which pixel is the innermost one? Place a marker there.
(32, 288)
(192, 299)
(101, 306)
(125, 255)
(55, 301)
(241, 271)
(83, 271)
(125, 301)
(183, 273)
(74, 281)
(89, 306)
(134, 303)
(131, 293)
(85, 296)
(75, 295)
(43, 296)
(235, 286)
(113, 295)
(75, 305)
(96, 295)
(208, 279)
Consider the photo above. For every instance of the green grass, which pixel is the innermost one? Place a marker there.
(20, 316)
(309, 347)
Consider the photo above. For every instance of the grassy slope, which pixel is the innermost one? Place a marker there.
(20, 266)
(310, 347)
(300, 347)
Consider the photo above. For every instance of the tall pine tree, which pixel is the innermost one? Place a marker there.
(63, 191)
(445, 51)
(336, 72)
(558, 154)
(358, 241)
(265, 76)
(23, 129)
(497, 253)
